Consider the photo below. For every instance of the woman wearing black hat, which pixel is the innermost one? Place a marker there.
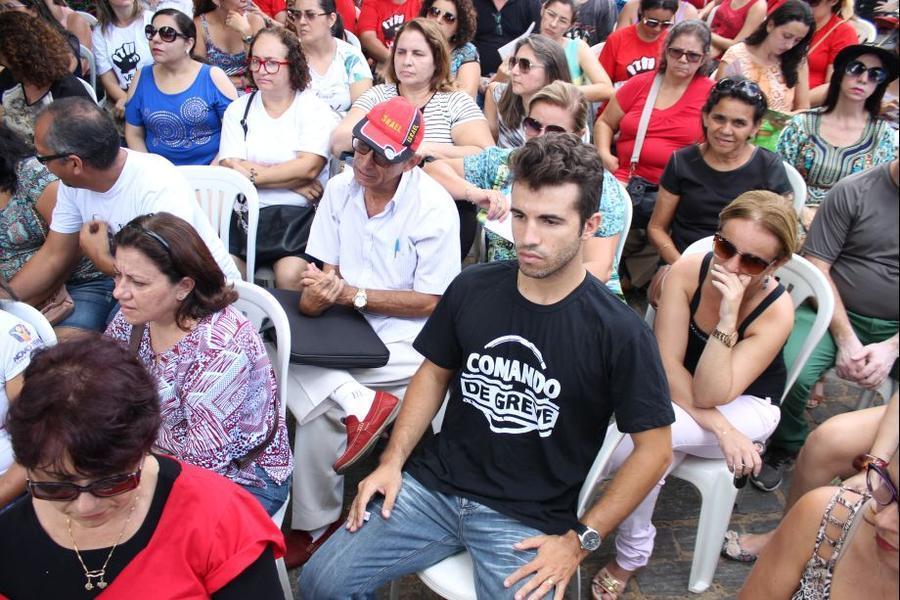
(845, 135)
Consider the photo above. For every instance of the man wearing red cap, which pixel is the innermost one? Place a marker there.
(388, 235)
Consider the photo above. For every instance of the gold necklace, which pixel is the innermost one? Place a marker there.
(100, 573)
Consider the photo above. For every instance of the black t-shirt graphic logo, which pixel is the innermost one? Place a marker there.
(514, 396)
(126, 58)
(390, 26)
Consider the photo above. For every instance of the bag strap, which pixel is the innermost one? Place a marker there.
(645, 121)
(247, 112)
(137, 334)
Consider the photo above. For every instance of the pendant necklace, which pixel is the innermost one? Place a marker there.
(99, 574)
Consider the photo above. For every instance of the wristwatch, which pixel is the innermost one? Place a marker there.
(589, 538)
(360, 299)
(729, 339)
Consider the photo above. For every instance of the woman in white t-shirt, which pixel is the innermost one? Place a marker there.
(420, 66)
(120, 47)
(339, 72)
(278, 138)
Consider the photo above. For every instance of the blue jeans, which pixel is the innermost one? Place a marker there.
(273, 495)
(425, 527)
(94, 305)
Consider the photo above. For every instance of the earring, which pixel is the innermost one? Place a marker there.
(766, 281)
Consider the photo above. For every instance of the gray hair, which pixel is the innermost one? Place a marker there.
(693, 27)
(78, 126)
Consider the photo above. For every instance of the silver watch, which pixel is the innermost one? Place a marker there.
(589, 538)
(360, 299)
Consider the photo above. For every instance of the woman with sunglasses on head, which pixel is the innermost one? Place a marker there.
(277, 137)
(733, 21)
(846, 135)
(105, 516)
(774, 56)
(419, 70)
(457, 20)
(121, 49)
(557, 17)
(339, 73)
(630, 13)
(701, 179)
(833, 33)
(484, 180)
(537, 61)
(835, 543)
(217, 389)
(226, 29)
(721, 324)
(38, 60)
(636, 48)
(175, 106)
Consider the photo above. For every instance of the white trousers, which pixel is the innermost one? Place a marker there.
(755, 417)
(320, 437)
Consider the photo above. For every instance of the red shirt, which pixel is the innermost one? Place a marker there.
(347, 10)
(728, 21)
(271, 7)
(625, 54)
(385, 18)
(835, 35)
(670, 129)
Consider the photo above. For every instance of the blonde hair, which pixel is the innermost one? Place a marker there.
(772, 211)
(567, 97)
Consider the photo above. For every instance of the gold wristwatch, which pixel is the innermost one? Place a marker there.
(729, 339)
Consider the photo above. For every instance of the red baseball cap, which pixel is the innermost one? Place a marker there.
(394, 129)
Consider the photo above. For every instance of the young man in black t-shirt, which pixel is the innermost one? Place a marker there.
(538, 355)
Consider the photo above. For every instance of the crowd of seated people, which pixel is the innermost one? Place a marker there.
(438, 167)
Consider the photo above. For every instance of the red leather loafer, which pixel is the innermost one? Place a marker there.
(301, 547)
(362, 435)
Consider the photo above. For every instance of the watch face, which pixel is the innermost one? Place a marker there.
(590, 540)
(359, 301)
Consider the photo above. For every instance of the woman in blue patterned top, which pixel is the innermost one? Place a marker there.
(175, 106)
(457, 21)
(484, 179)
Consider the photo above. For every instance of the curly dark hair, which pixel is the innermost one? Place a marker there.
(298, 67)
(13, 150)
(33, 50)
(789, 12)
(465, 21)
(558, 158)
(178, 251)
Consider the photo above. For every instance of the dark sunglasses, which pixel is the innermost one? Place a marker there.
(166, 33)
(677, 53)
(880, 486)
(537, 127)
(750, 264)
(656, 23)
(876, 74)
(294, 14)
(744, 88)
(44, 159)
(443, 15)
(363, 149)
(60, 491)
(524, 64)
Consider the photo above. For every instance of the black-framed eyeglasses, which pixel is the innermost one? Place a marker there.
(876, 75)
(166, 33)
(45, 158)
(525, 65)
(656, 23)
(64, 491)
(447, 17)
(536, 127)
(689, 55)
(880, 486)
(270, 65)
(294, 15)
(744, 88)
(749, 264)
(362, 148)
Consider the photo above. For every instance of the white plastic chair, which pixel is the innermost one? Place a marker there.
(596, 49)
(91, 19)
(87, 55)
(33, 317)
(799, 186)
(217, 190)
(454, 577)
(89, 90)
(865, 30)
(258, 305)
(629, 213)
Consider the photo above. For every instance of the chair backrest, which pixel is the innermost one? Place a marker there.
(91, 19)
(596, 49)
(351, 39)
(33, 317)
(595, 475)
(804, 281)
(626, 225)
(799, 186)
(87, 55)
(217, 189)
(703, 245)
(865, 30)
(258, 305)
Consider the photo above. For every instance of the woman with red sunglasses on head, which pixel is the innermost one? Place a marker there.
(721, 324)
(835, 543)
(107, 517)
(636, 48)
(457, 20)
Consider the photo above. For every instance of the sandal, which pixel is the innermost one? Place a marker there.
(816, 395)
(604, 583)
(733, 550)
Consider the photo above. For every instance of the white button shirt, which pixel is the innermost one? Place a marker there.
(413, 244)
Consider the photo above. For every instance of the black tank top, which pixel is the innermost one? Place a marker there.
(770, 383)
